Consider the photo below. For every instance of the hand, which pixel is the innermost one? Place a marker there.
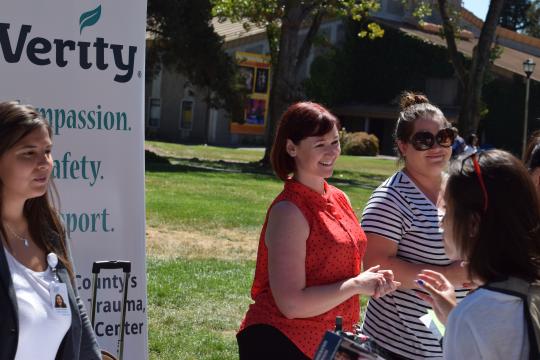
(388, 286)
(441, 293)
(368, 281)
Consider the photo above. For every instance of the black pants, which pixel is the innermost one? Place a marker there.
(262, 342)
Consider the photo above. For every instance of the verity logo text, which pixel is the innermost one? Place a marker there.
(42, 52)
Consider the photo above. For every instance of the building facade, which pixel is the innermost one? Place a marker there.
(177, 111)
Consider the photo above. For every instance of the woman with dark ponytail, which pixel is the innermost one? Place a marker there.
(35, 259)
(401, 222)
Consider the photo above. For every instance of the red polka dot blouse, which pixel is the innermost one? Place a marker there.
(334, 250)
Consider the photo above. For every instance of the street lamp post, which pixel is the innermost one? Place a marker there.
(528, 68)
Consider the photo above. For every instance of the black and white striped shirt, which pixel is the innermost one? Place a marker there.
(399, 211)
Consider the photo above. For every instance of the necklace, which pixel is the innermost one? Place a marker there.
(24, 240)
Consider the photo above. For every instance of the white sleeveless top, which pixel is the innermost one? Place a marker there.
(41, 330)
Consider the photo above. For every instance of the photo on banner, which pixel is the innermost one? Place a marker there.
(84, 72)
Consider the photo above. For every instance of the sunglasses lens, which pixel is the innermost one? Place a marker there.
(423, 140)
(446, 137)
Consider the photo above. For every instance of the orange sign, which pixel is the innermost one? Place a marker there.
(255, 70)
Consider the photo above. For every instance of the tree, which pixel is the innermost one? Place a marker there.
(514, 14)
(354, 72)
(533, 16)
(185, 40)
(471, 80)
(283, 21)
(522, 16)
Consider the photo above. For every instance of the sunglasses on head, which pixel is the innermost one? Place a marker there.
(424, 140)
(475, 157)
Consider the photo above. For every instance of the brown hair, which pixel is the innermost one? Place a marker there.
(508, 239)
(413, 106)
(531, 157)
(16, 122)
(301, 120)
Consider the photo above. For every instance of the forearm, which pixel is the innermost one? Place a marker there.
(406, 272)
(316, 300)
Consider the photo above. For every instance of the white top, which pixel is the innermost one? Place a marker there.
(41, 329)
(487, 325)
(399, 211)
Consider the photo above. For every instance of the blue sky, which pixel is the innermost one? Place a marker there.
(477, 7)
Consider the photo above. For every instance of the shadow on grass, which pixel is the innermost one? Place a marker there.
(194, 164)
(157, 163)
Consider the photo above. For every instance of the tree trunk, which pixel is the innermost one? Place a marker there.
(285, 77)
(449, 34)
(471, 82)
(470, 109)
(281, 75)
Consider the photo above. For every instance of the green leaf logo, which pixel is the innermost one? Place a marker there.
(89, 18)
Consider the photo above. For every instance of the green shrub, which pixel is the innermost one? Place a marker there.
(359, 143)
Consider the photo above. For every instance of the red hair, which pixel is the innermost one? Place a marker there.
(301, 120)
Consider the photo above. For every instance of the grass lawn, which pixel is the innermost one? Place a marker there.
(204, 213)
(195, 307)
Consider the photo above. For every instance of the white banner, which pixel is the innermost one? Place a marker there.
(81, 63)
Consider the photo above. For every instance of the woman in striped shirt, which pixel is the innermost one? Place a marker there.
(401, 221)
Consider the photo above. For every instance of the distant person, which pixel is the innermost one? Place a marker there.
(471, 145)
(311, 247)
(401, 221)
(491, 221)
(30, 228)
(458, 145)
(532, 158)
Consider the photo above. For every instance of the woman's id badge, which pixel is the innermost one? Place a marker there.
(59, 298)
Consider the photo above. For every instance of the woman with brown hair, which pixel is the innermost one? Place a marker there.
(311, 246)
(401, 221)
(492, 221)
(35, 261)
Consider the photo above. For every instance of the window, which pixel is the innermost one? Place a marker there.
(261, 82)
(154, 113)
(186, 115)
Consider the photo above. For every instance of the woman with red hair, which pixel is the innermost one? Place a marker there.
(311, 246)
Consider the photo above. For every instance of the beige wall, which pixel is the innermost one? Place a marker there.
(173, 89)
